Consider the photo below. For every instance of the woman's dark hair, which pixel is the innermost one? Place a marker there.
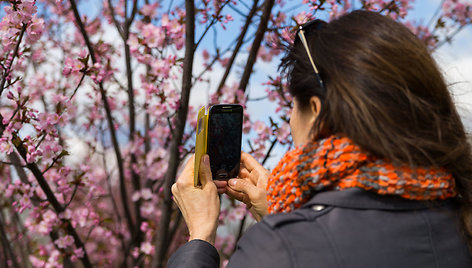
(384, 91)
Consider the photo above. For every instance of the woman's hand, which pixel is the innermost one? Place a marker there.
(200, 206)
(250, 188)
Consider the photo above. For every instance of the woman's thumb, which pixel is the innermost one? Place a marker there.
(205, 170)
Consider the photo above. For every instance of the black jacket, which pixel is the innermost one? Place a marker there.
(351, 228)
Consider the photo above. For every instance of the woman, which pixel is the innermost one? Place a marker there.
(381, 175)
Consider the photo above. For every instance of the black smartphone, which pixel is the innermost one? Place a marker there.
(225, 125)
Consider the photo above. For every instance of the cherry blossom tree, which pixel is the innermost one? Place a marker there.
(96, 115)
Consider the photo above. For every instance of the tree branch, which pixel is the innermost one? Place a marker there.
(136, 234)
(113, 18)
(213, 21)
(238, 45)
(129, 21)
(448, 39)
(268, 4)
(78, 85)
(15, 54)
(269, 151)
(116, 146)
(178, 133)
(7, 250)
(50, 197)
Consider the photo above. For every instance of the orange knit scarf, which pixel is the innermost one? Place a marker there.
(336, 163)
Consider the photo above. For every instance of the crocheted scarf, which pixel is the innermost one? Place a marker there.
(336, 163)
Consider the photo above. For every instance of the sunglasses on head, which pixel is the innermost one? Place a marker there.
(304, 30)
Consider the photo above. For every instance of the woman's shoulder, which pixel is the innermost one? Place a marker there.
(356, 228)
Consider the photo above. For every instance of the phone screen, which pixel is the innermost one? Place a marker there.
(224, 140)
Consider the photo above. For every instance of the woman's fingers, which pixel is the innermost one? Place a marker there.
(243, 186)
(244, 173)
(241, 196)
(252, 195)
(249, 162)
(220, 186)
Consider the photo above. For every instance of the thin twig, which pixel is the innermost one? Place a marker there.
(438, 9)
(15, 54)
(449, 38)
(73, 195)
(238, 45)
(269, 151)
(78, 85)
(12, 164)
(113, 18)
(212, 22)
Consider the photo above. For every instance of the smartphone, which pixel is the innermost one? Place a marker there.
(225, 124)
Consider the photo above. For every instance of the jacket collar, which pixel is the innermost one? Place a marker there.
(360, 199)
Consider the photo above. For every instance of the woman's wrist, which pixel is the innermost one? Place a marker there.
(210, 238)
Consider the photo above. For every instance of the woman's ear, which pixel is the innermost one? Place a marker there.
(315, 105)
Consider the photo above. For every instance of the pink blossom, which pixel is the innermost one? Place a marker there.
(224, 61)
(72, 66)
(5, 146)
(205, 54)
(64, 242)
(35, 30)
(228, 18)
(147, 209)
(79, 252)
(144, 226)
(146, 194)
(283, 133)
(147, 248)
(149, 10)
(135, 253)
(458, 10)
(154, 36)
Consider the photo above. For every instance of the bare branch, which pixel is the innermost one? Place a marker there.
(274, 142)
(78, 85)
(136, 233)
(15, 54)
(7, 250)
(213, 21)
(13, 164)
(268, 4)
(449, 38)
(73, 195)
(110, 120)
(129, 21)
(238, 45)
(113, 17)
(438, 9)
(178, 133)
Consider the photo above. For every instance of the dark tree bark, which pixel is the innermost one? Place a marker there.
(177, 134)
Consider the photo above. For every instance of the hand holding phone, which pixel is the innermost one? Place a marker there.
(223, 140)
